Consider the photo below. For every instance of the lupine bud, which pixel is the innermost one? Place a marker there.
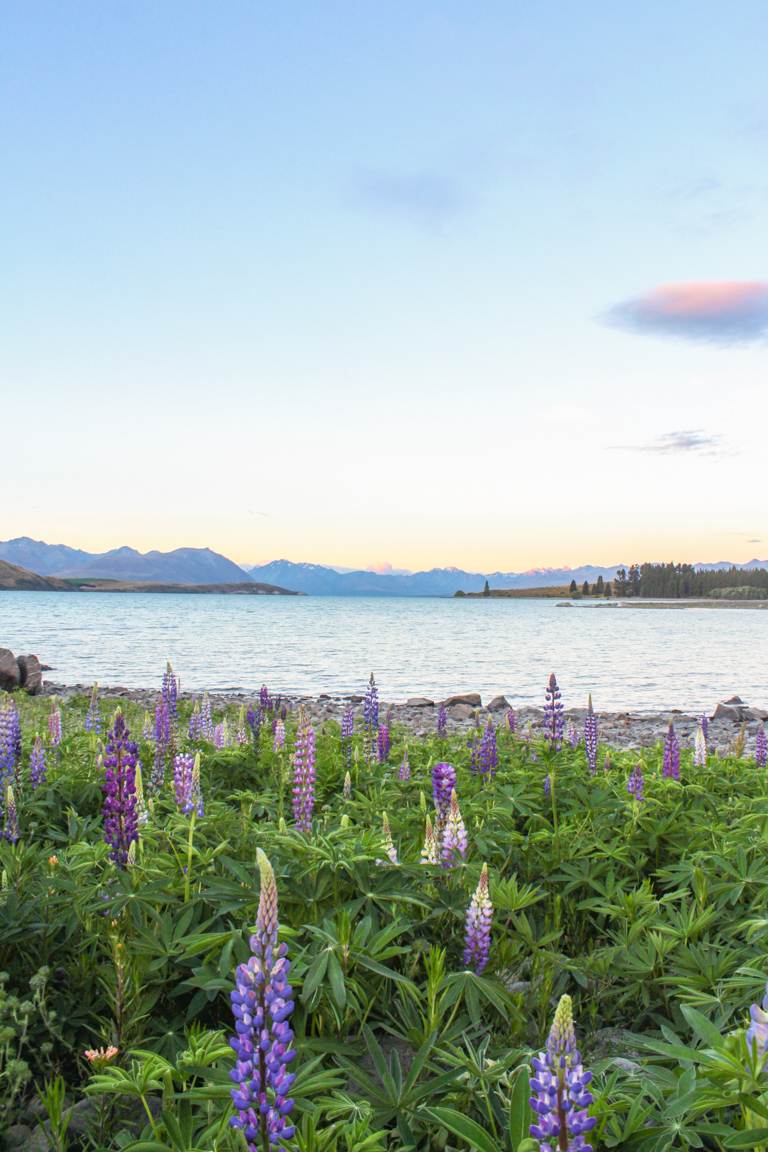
(477, 935)
(347, 789)
(429, 851)
(700, 748)
(11, 821)
(389, 844)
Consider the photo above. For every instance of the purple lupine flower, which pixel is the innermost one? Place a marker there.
(384, 744)
(347, 730)
(278, 742)
(636, 783)
(700, 747)
(93, 715)
(206, 719)
(146, 731)
(37, 764)
(453, 838)
(221, 735)
(371, 715)
(553, 714)
(590, 737)
(163, 739)
(473, 744)
(11, 820)
(54, 723)
(488, 755)
(571, 734)
(265, 702)
(120, 817)
(757, 1032)
(261, 1004)
(704, 722)
(10, 741)
(477, 932)
(253, 720)
(404, 772)
(560, 1087)
(761, 747)
(511, 720)
(443, 784)
(304, 776)
(671, 767)
(547, 786)
(187, 797)
(170, 692)
(442, 721)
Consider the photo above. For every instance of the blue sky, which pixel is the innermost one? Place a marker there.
(360, 283)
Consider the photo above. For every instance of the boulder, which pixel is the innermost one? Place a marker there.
(31, 671)
(499, 704)
(10, 676)
(461, 712)
(419, 702)
(734, 709)
(471, 698)
(758, 713)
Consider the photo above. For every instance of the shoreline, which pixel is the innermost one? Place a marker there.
(630, 729)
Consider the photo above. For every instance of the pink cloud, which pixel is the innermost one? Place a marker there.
(724, 312)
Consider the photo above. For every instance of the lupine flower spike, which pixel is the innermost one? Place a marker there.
(262, 1003)
(10, 741)
(488, 754)
(389, 844)
(429, 851)
(347, 788)
(278, 742)
(590, 737)
(560, 1087)
(120, 816)
(453, 842)
(93, 715)
(761, 747)
(37, 764)
(477, 936)
(11, 821)
(511, 720)
(54, 723)
(347, 729)
(170, 692)
(636, 783)
(700, 747)
(757, 1032)
(671, 767)
(304, 775)
(383, 743)
(442, 721)
(553, 714)
(405, 768)
(443, 784)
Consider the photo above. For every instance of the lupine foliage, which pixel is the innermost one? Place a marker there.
(421, 993)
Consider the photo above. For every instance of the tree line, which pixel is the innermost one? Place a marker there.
(673, 581)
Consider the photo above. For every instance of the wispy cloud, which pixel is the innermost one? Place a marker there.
(721, 312)
(426, 198)
(692, 441)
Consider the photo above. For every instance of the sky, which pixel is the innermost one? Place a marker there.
(370, 284)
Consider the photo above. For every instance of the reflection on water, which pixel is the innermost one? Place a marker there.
(628, 659)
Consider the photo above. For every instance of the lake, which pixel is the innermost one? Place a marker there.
(628, 659)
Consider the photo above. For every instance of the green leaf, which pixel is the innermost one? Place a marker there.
(748, 1139)
(519, 1108)
(466, 1129)
(703, 1028)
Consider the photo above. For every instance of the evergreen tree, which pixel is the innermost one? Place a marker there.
(599, 586)
(486, 589)
(585, 588)
(573, 587)
(607, 591)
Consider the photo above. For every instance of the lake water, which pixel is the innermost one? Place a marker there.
(642, 659)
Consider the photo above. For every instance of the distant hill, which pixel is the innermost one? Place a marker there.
(182, 566)
(15, 579)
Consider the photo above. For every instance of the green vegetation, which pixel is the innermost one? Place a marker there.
(682, 580)
(651, 914)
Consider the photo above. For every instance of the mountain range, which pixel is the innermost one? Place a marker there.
(202, 566)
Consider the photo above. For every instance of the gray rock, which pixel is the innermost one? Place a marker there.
(729, 711)
(10, 676)
(758, 713)
(419, 702)
(734, 700)
(498, 704)
(473, 699)
(31, 672)
(461, 712)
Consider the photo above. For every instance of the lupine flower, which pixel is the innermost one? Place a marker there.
(511, 720)
(253, 720)
(304, 776)
(54, 723)
(146, 731)
(10, 741)
(389, 844)
(346, 790)
(261, 1004)
(383, 744)
(443, 784)
(442, 721)
(206, 719)
(560, 1089)
(404, 772)
(120, 817)
(429, 851)
(636, 783)
(700, 748)
(170, 691)
(279, 737)
(195, 722)
(607, 763)
(183, 764)
(547, 786)
(11, 821)
(671, 767)
(142, 813)
(757, 1032)
(473, 744)
(704, 722)
(590, 736)
(37, 764)
(571, 734)
(162, 744)
(93, 715)
(453, 841)
(347, 729)
(100, 1056)
(488, 755)
(761, 747)
(477, 933)
(553, 714)
(241, 736)
(371, 714)
(265, 702)
(219, 736)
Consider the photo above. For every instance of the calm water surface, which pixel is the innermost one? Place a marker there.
(628, 658)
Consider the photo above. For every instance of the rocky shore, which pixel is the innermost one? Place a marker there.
(419, 714)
